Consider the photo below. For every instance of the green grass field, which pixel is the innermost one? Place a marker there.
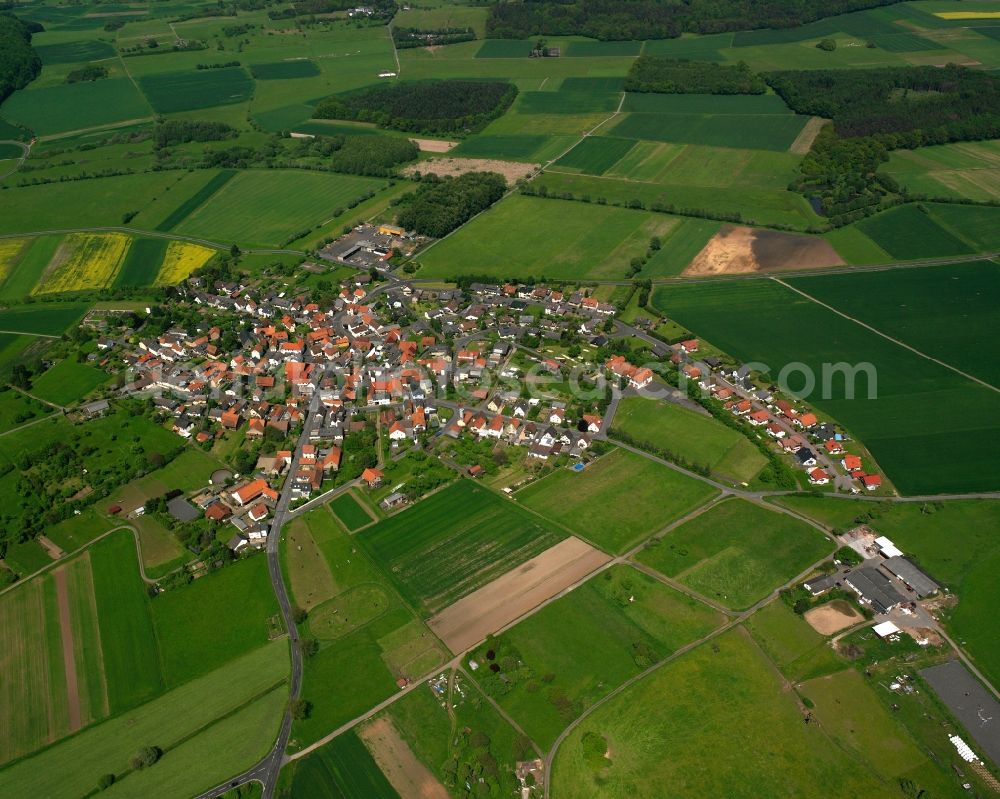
(946, 312)
(73, 52)
(50, 319)
(546, 237)
(736, 552)
(342, 769)
(203, 625)
(283, 70)
(729, 728)
(131, 655)
(17, 409)
(796, 649)
(511, 147)
(68, 382)
(907, 233)
(196, 200)
(977, 225)
(141, 262)
(70, 769)
(963, 169)
(29, 268)
(567, 102)
(951, 541)
(266, 206)
(349, 512)
(589, 642)
(453, 542)
(372, 648)
(616, 501)
(697, 438)
(76, 106)
(594, 155)
(186, 91)
(921, 449)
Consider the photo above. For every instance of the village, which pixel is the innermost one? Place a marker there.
(507, 365)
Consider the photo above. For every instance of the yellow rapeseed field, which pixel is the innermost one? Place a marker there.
(968, 14)
(181, 260)
(10, 254)
(85, 261)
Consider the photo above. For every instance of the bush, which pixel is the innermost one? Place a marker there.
(829, 45)
(106, 781)
(145, 757)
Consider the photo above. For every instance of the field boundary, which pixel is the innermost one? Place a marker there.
(887, 337)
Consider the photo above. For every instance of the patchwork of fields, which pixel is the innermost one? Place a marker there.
(454, 542)
(617, 500)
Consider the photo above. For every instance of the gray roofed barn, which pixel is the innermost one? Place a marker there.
(906, 571)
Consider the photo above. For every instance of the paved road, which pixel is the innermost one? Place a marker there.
(266, 771)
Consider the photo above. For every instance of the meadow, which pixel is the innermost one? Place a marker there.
(719, 699)
(67, 382)
(70, 769)
(617, 500)
(546, 237)
(697, 438)
(922, 449)
(202, 626)
(795, 648)
(187, 91)
(207, 188)
(510, 147)
(20, 275)
(350, 513)
(131, 654)
(77, 106)
(453, 542)
(977, 225)
(953, 542)
(341, 769)
(73, 52)
(947, 312)
(267, 206)
(968, 170)
(17, 409)
(284, 70)
(594, 155)
(908, 233)
(586, 644)
(736, 552)
(372, 648)
(85, 261)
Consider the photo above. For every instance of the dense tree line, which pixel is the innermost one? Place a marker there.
(876, 111)
(87, 73)
(19, 63)
(904, 106)
(656, 19)
(372, 155)
(675, 76)
(437, 207)
(180, 131)
(416, 37)
(435, 107)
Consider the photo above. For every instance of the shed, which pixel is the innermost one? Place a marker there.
(885, 629)
(914, 578)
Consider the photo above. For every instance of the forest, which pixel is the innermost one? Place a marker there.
(677, 76)
(19, 63)
(437, 207)
(615, 20)
(878, 110)
(904, 106)
(180, 131)
(434, 107)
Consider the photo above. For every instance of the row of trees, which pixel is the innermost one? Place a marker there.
(676, 76)
(19, 63)
(170, 132)
(437, 207)
(656, 19)
(417, 37)
(435, 107)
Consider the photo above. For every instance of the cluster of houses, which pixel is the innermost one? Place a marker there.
(817, 447)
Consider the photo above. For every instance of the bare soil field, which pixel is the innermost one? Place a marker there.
(411, 778)
(453, 167)
(488, 610)
(69, 655)
(739, 250)
(434, 145)
(833, 617)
